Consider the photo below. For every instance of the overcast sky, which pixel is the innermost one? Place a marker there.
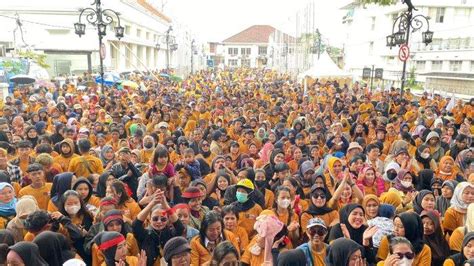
(216, 20)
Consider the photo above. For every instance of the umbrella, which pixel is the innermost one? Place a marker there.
(22, 79)
(164, 75)
(109, 79)
(45, 83)
(129, 83)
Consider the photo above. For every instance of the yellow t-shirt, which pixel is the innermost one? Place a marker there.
(40, 194)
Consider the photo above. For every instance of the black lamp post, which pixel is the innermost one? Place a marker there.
(101, 18)
(404, 24)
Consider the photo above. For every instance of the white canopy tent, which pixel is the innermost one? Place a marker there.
(324, 67)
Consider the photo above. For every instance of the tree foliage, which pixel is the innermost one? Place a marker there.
(40, 59)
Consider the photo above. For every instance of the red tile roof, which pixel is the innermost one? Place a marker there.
(153, 10)
(253, 34)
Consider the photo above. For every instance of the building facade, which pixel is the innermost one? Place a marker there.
(446, 64)
(48, 27)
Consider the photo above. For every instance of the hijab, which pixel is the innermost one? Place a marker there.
(356, 234)
(463, 162)
(29, 253)
(398, 182)
(104, 150)
(460, 258)
(313, 210)
(8, 209)
(425, 177)
(292, 257)
(61, 183)
(391, 197)
(419, 198)
(368, 198)
(413, 227)
(424, 161)
(442, 203)
(436, 241)
(443, 173)
(341, 250)
(386, 211)
(456, 200)
(53, 247)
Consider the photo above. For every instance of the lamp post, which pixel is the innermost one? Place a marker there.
(402, 26)
(193, 49)
(99, 18)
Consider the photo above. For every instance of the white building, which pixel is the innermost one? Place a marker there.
(446, 64)
(48, 27)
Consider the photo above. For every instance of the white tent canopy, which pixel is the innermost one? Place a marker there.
(324, 67)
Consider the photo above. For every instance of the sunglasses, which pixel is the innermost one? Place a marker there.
(408, 255)
(205, 144)
(159, 218)
(320, 231)
(319, 195)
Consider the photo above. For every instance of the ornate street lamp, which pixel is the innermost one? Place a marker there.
(405, 24)
(101, 18)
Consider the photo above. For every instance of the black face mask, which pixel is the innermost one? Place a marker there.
(148, 145)
(261, 184)
(391, 175)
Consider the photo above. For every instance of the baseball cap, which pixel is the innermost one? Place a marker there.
(246, 183)
(316, 222)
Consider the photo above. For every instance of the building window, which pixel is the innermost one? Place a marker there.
(245, 51)
(373, 24)
(139, 33)
(232, 62)
(455, 65)
(262, 50)
(147, 34)
(472, 66)
(461, 15)
(440, 14)
(420, 65)
(233, 51)
(245, 63)
(371, 48)
(436, 65)
(127, 30)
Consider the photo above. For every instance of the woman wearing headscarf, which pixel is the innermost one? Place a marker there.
(53, 248)
(464, 162)
(410, 226)
(113, 245)
(107, 156)
(343, 252)
(434, 237)
(333, 173)
(424, 201)
(405, 188)
(277, 156)
(455, 240)
(8, 203)
(456, 214)
(465, 254)
(61, 183)
(446, 170)
(318, 208)
(443, 202)
(433, 141)
(371, 204)
(6, 241)
(352, 226)
(85, 190)
(370, 182)
(24, 206)
(66, 153)
(423, 159)
(25, 253)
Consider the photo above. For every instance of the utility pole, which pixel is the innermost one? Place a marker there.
(192, 56)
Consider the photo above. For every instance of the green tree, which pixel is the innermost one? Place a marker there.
(40, 59)
(411, 77)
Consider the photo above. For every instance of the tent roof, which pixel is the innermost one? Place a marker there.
(324, 67)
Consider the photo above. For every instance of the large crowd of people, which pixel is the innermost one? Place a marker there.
(234, 167)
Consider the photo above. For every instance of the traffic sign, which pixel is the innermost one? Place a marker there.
(366, 73)
(379, 73)
(102, 51)
(404, 52)
(210, 63)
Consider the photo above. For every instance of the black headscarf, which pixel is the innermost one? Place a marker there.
(424, 162)
(413, 229)
(83, 180)
(341, 250)
(104, 240)
(61, 184)
(313, 210)
(292, 257)
(102, 184)
(53, 247)
(356, 234)
(459, 258)
(424, 179)
(419, 198)
(439, 247)
(29, 253)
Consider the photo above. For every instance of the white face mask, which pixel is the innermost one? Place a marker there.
(284, 203)
(406, 184)
(405, 262)
(425, 155)
(72, 210)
